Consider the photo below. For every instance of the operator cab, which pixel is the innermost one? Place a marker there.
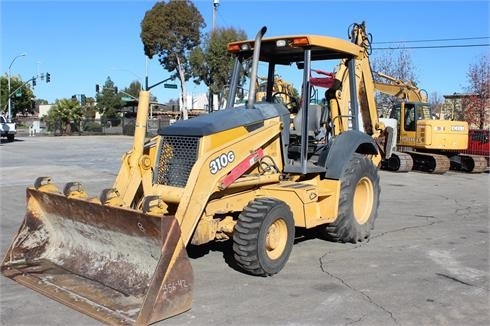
(315, 123)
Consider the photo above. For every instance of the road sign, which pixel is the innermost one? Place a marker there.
(170, 85)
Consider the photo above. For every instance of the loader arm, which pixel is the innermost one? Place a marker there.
(135, 166)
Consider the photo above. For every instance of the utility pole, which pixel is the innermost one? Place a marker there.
(146, 73)
(210, 95)
(215, 8)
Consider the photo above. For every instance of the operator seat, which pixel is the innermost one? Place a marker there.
(314, 119)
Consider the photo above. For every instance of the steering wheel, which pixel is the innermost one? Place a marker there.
(292, 105)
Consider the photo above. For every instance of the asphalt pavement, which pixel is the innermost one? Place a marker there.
(427, 262)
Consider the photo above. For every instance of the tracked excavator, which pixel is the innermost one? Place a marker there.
(236, 175)
(434, 145)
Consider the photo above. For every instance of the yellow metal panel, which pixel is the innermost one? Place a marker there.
(231, 203)
(168, 194)
(407, 138)
(221, 138)
(336, 44)
(443, 134)
(310, 204)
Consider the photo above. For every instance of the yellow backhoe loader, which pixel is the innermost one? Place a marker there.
(236, 174)
(433, 144)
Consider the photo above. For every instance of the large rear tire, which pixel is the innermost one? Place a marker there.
(358, 204)
(263, 236)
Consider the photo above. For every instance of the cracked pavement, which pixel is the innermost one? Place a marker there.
(426, 263)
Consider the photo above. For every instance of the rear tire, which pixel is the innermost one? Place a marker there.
(358, 203)
(263, 236)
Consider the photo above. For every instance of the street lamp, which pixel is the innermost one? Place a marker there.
(132, 72)
(9, 74)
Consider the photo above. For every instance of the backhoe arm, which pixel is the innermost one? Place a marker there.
(355, 70)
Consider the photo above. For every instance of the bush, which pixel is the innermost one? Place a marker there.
(92, 127)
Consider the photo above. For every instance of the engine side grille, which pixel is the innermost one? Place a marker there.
(177, 157)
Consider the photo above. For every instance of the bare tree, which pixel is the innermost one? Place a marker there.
(476, 105)
(437, 103)
(397, 64)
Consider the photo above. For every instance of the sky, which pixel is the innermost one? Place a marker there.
(81, 43)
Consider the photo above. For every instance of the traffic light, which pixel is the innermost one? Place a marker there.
(83, 99)
(48, 77)
(115, 90)
(33, 81)
(97, 88)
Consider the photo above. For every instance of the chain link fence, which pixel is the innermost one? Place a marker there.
(115, 126)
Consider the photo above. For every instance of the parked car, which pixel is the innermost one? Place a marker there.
(7, 129)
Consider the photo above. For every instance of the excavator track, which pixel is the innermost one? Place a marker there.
(398, 162)
(428, 162)
(469, 163)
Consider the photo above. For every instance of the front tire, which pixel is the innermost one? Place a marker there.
(263, 236)
(358, 204)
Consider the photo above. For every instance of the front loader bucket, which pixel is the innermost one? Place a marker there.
(116, 265)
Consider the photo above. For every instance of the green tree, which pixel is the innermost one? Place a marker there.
(64, 116)
(212, 63)
(133, 90)
(109, 102)
(20, 101)
(476, 106)
(171, 31)
(90, 109)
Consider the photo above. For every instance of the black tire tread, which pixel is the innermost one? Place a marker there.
(345, 228)
(246, 234)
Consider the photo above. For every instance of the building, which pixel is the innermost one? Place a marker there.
(453, 109)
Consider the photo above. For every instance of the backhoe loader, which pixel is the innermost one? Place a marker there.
(434, 145)
(236, 175)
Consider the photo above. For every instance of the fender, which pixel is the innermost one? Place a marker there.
(339, 151)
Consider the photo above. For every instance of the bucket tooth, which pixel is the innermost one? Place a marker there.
(111, 197)
(46, 184)
(154, 204)
(74, 190)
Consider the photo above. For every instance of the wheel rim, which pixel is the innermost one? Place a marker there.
(363, 200)
(276, 239)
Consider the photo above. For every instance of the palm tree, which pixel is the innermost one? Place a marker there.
(64, 116)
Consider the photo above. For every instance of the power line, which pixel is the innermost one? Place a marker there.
(431, 47)
(437, 40)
